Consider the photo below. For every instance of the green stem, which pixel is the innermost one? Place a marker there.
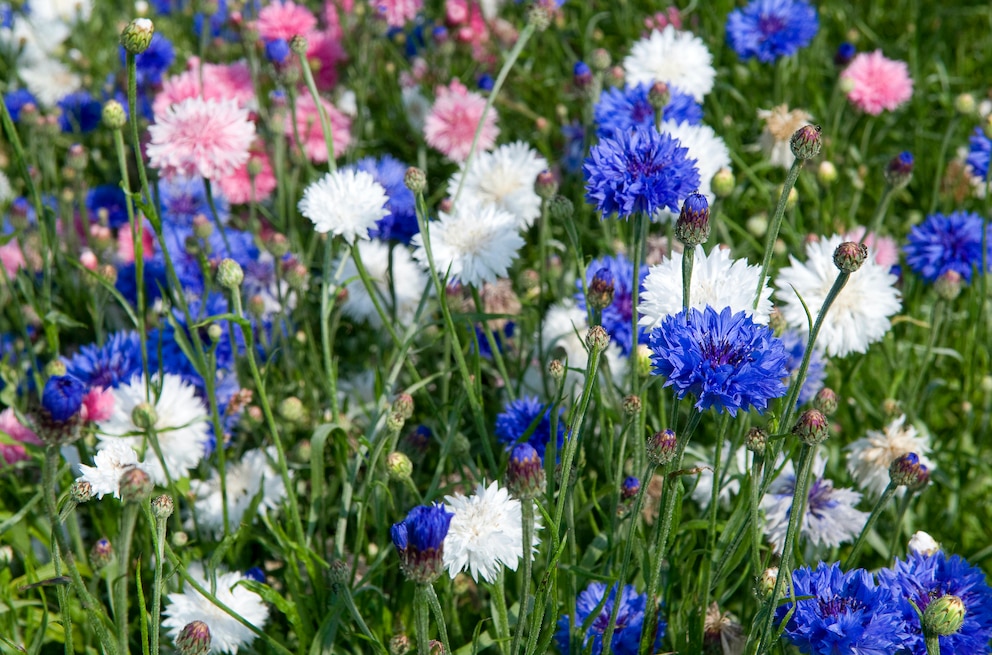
(128, 521)
(754, 485)
(158, 582)
(325, 123)
(876, 511)
(933, 644)
(879, 215)
(422, 620)
(493, 345)
(901, 510)
(776, 225)
(688, 257)
(500, 615)
(326, 336)
(526, 596)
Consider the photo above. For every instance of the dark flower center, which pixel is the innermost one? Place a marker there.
(770, 25)
(838, 605)
(721, 353)
(820, 497)
(641, 112)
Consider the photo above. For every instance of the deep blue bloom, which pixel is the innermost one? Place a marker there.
(630, 620)
(111, 198)
(845, 53)
(486, 82)
(795, 347)
(151, 64)
(848, 613)
(515, 421)
(419, 538)
(617, 317)
(80, 112)
(185, 198)
(255, 573)
(640, 171)
(110, 365)
(16, 100)
(574, 147)
(622, 110)
(277, 51)
(401, 223)
(979, 151)
(948, 243)
(156, 279)
(769, 29)
(217, 22)
(500, 336)
(63, 396)
(925, 578)
(6, 15)
(726, 360)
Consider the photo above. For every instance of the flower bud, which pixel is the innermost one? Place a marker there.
(403, 405)
(539, 16)
(525, 477)
(556, 369)
(642, 360)
(805, 142)
(179, 539)
(144, 416)
(899, 170)
(723, 183)
(277, 244)
(600, 60)
(601, 289)
(965, 104)
(400, 645)
(194, 639)
(298, 44)
(826, 173)
(163, 506)
(766, 583)
(560, 209)
(137, 36)
(943, 616)
(62, 396)
(415, 180)
(661, 447)
(631, 406)
(630, 487)
(907, 471)
(546, 186)
(845, 53)
(101, 553)
(398, 466)
(849, 256)
(76, 157)
(597, 339)
(659, 96)
(825, 401)
(203, 228)
(948, 285)
(756, 440)
(922, 543)
(136, 486)
(812, 427)
(291, 409)
(693, 225)
(581, 75)
(81, 491)
(230, 274)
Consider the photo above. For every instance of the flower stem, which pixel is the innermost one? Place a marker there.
(776, 225)
(876, 219)
(933, 644)
(128, 521)
(499, 612)
(325, 123)
(158, 583)
(422, 620)
(688, 258)
(526, 596)
(876, 511)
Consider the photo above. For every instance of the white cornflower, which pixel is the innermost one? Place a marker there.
(860, 314)
(734, 465)
(49, 80)
(565, 327)
(869, 458)
(922, 543)
(717, 281)
(707, 148)
(346, 202)
(181, 426)
(674, 57)
(110, 464)
(227, 635)
(475, 244)
(780, 125)
(830, 519)
(394, 273)
(505, 179)
(245, 478)
(486, 533)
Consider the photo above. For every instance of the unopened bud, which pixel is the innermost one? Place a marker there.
(825, 401)
(539, 16)
(298, 44)
(948, 285)
(230, 275)
(826, 173)
(277, 245)
(581, 75)
(944, 616)
(899, 170)
(965, 104)
(631, 406)
(398, 466)
(179, 539)
(415, 180)
(922, 543)
(403, 405)
(525, 477)
(601, 289)
(203, 227)
(194, 639)
(144, 416)
(546, 185)
(597, 339)
(766, 583)
(81, 491)
(556, 369)
(756, 440)
(600, 60)
(560, 209)
(101, 553)
(135, 485)
(805, 142)
(693, 225)
(659, 96)
(812, 427)
(291, 409)
(137, 36)
(849, 256)
(661, 447)
(723, 183)
(630, 487)
(908, 471)
(163, 506)
(400, 645)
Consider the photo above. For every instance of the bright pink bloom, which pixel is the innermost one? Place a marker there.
(125, 243)
(208, 138)
(454, 117)
(311, 132)
(221, 82)
(88, 259)
(877, 83)
(885, 248)
(284, 20)
(324, 52)
(396, 12)
(661, 20)
(11, 453)
(99, 404)
(332, 18)
(237, 188)
(11, 257)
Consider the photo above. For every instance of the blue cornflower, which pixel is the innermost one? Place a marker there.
(845, 53)
(277, 51)
(769, 29)
(110, 365)
(217, 21)
(726, 360)
(401, 223)
(16, 100)
(925, 578)
(795, 347)
(630, 620)
(485, 82)
(184, 198)
(948, 243)
(848, 613)
(979, 151)
(622, 110)
(639, 171)
(80, 112)
(419, 539)
(6, 15)
(617, 316)
(111, 198)
(501, 336)
(574, 147)
(63, 396)
(151, 64)
(514, 422)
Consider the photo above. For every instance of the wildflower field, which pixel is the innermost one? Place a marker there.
(470, 326)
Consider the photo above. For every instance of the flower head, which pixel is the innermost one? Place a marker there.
(514, 423)
(419, 539)
(618, 315)
(344, 202)
(860, 313)
(486, 533)
(283, 20)
(706, 147)
(677, 58)
(396, 276)
(948, 243)
(503, 178)
(221, 82)
(869, 458)
(454, 117)
(311, 132)
(62, 396)
(726, 360)
(252, 474)
(979, 153)
(848, 613)
(629, 625)
(209, 138)
(110, 464)
(877, 83)
(110, 365)
(20, 434)
(769, 29)
(780, 125)
(401, 222)
(622, 110)
(640, 171)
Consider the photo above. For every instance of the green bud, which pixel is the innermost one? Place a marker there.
(137, 36)
(230, 274)
(144, 416)
(849, 256)
(136, 486)
(812, 427)
(597, 339)
(163, 506)
(944, 616)
(805, 142)
(194, 639)
(415, 180)
(399, 466)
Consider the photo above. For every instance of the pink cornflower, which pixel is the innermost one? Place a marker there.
(454, 117)
(396, 12)
(332, 17)
(220, 82)
(99, 404)
(209, 138)
(312, 134)
(237, 188)
(877, 83)
(15, 452)
(125, 243)
(661, 20)
(885, 248)
(11, 257)
(324, 53)
(284, 20)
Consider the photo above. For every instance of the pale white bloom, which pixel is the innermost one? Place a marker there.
(394, 273)
(830, 519)
(49, 80)
(417, 107)
(709, 151)
(780, 125)
(490, 8)
(674, 57)
(181, 426)
(869, 458)
(503, 178)
(717, 281)
(245, 478)
(860, 314)
(563, 337)
(486, 533)
(110, 464)
(227, 635)
(923, 544)
(475, 244)
(346, 202)
(67, 11)
(733, 466)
